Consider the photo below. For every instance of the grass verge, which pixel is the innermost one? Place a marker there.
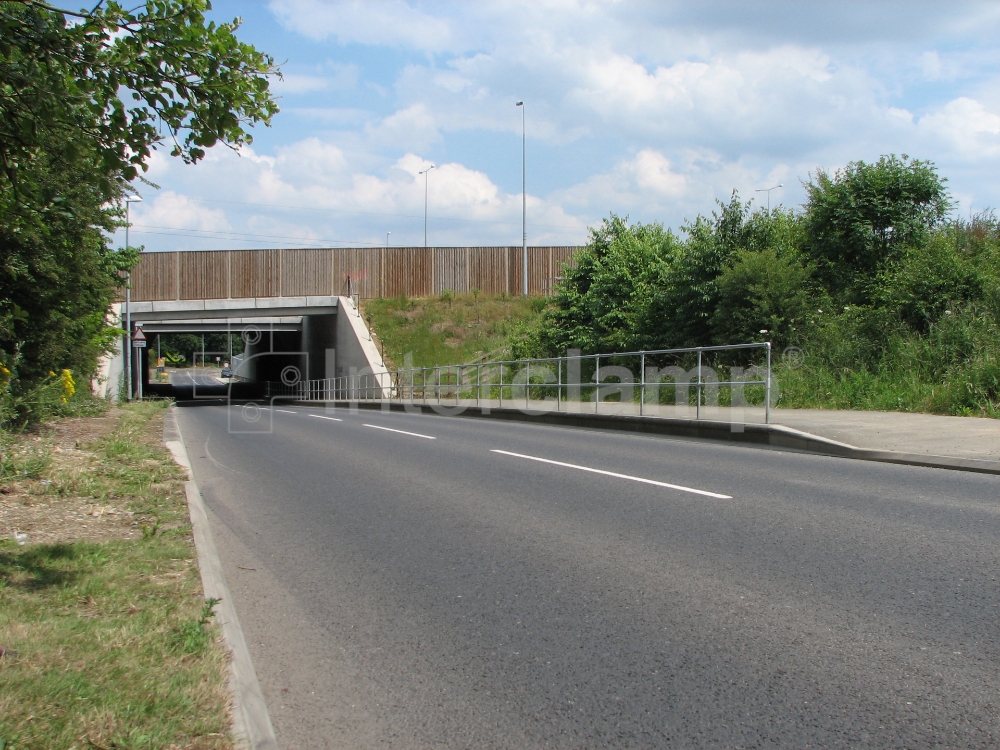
(448, 329)
(108, 642)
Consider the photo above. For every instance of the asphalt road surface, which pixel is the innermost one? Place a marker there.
(422, 581)
(196, 377)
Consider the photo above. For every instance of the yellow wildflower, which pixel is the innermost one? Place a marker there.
(68, 384)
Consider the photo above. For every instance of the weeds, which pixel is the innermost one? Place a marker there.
(23, 458)
(450, 328)
(116, 648)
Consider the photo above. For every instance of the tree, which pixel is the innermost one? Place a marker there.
(763, 296)
(603, 299)
(84, 99)
(861, 217)
(684, 301)
(127, 80)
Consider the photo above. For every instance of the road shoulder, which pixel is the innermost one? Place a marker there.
(251, 720)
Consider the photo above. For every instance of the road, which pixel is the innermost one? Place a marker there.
(196, 377)
(402, 584)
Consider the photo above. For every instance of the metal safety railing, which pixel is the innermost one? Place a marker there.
(559, 383)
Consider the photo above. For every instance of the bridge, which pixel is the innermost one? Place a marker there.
(298, 307)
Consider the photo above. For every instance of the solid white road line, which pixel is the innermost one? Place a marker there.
(320, 416)
(286, 411)
(401, 432)
(615, 474)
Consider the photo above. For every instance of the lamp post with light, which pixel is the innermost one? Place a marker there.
(424, 173)
(768, 191)
(524, 204)
(128, 304)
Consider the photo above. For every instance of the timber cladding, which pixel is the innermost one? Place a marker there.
(367, 271)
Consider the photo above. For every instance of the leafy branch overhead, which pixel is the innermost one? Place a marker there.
(128, 80)
(85, 97)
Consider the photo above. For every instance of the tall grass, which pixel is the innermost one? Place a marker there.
(867, 360)
(450, 328)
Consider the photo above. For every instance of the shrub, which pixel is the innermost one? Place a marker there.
(762, 296)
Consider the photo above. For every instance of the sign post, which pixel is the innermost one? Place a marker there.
(138, 342)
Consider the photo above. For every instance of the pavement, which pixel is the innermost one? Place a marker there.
(928, 434)
(419, 581)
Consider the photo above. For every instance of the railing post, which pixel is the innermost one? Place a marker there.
(642, 382)
(558, 382)
(479, 383)
(527, 382)
(501, 385)
(438, 384)
(767, 388)
(597, 383)
(697, 410)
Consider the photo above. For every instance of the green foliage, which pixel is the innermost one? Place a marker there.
(84, 99)
(895, 306)
(689, 295)
(434, 332)
(603, 303)
(763, 296)
(48, 399)
(192, 636)
(641, 287)
(864, 215)
(124, 81)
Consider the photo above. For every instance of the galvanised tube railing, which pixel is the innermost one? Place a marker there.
(447, 384)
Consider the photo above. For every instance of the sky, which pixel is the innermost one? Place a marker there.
(650, 110)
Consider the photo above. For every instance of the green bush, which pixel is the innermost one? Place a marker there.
(763, 296)
(894, 307)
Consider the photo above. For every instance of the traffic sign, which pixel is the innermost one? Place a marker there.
(139, 343)
(139, 336)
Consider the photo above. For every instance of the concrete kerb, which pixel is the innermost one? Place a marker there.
(251, 722)
(763, 435)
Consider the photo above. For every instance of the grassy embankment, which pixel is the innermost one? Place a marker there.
(108, 642)
(448, 329)
(834, 374)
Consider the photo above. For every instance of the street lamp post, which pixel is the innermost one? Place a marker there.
(524, 204)
(128, 305)
(768, 191)
(424, 173)
(387, 239)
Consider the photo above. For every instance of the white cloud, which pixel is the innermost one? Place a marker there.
(652, 109)
(381, 23)
(310, 193)
(967, 126)
(291, 83)
(412, 127)
(168, 210)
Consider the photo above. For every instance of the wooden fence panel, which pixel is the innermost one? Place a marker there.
(488, 270)
(155, 277)
(204, 275)
(450, 269)
(255, 273)
(373, 272)
(407, 272)
(306, 272)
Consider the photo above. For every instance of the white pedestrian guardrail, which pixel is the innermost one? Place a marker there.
(733, 383)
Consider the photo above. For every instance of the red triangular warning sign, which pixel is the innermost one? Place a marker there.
(138, 335)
